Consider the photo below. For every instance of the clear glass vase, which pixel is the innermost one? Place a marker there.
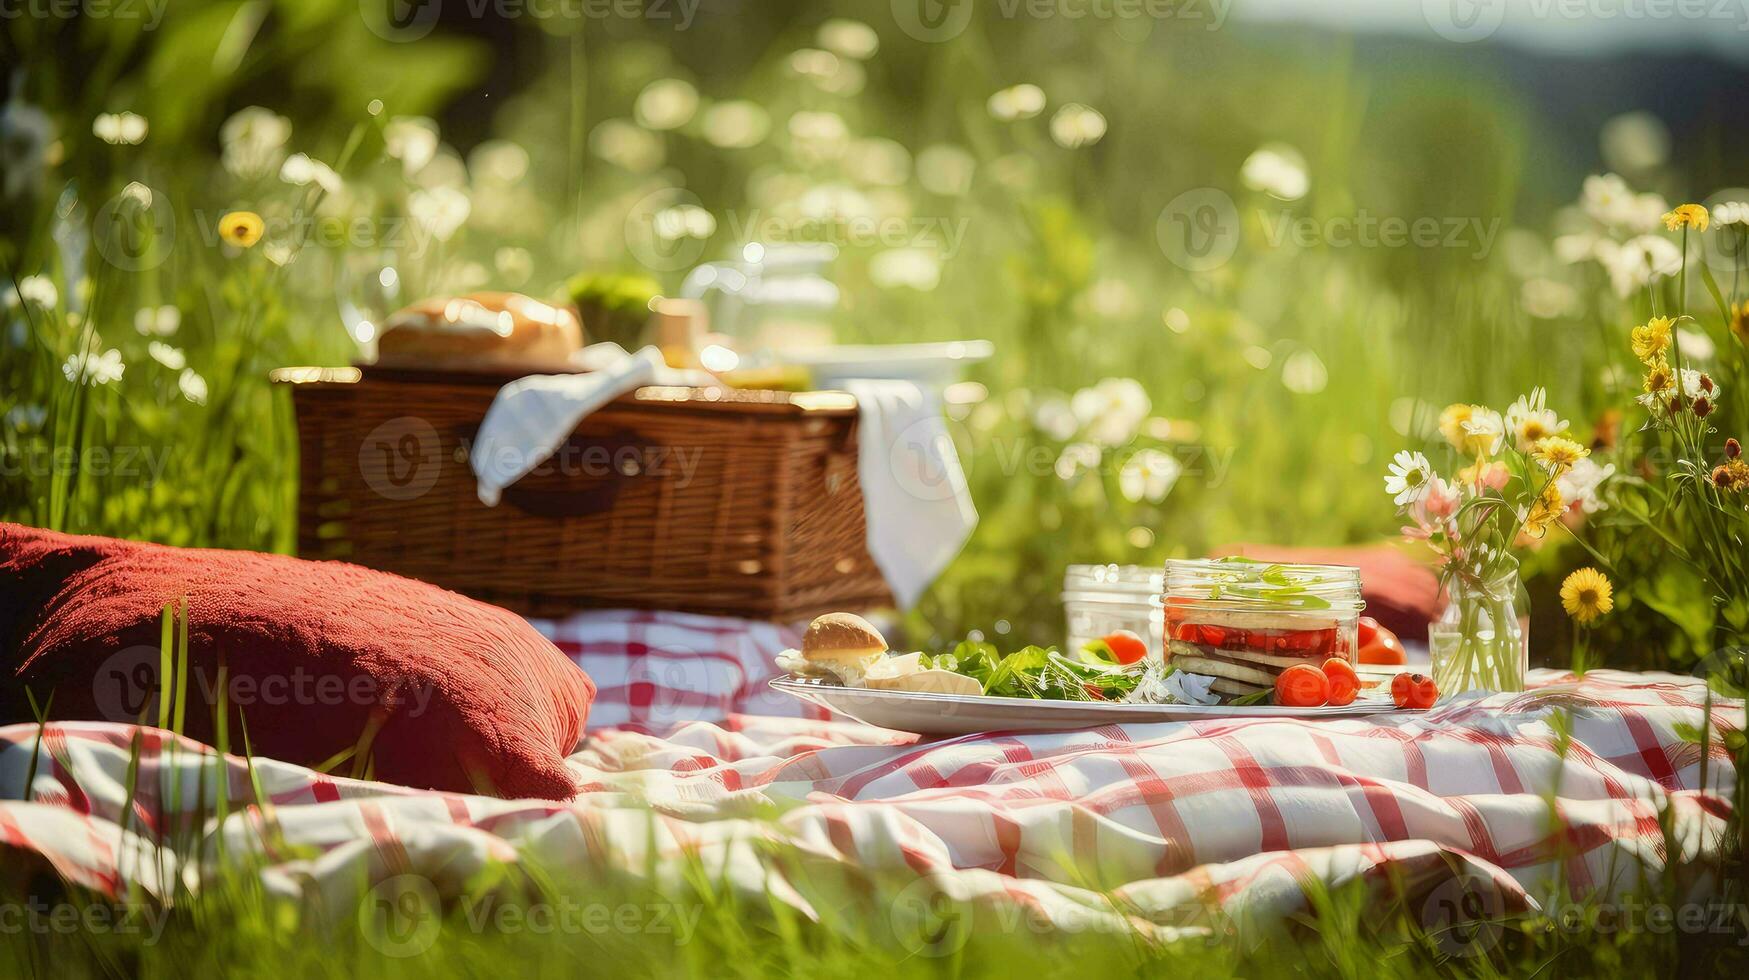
(1482, 640)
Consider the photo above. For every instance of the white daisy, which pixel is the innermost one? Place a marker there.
(119, 128)
(1409, 479)
(1056, 419)
(39, 290)
(158, 321)
(1581, 482)
(1698, 383)
(94, 369)
(170, 357)
(1731, 213)
(1076, 125)
(1112, 410)
(1149, 475)
(1075, 458)
(301, 169)
(1485, 429)
(192, 386)
(1530, 419)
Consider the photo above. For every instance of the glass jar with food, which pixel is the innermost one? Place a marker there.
(1102, 601)
(1244, 622)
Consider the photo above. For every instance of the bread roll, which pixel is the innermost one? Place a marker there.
(481, 330)
(842, 637)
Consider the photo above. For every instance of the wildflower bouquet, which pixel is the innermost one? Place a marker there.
(1523, 474)
(1700, 508)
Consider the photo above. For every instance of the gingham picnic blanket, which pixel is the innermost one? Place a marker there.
(1135, 826)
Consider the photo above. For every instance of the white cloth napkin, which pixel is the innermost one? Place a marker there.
(919, 510)
(533, 416)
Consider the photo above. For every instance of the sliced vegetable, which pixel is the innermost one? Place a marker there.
(1122, 647)
(1344, 682)
(1302, 686)
(1275, 643)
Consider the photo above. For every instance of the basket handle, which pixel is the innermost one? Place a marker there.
(557, 505)
(588, 479)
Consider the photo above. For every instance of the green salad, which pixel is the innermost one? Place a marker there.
(1040, 672)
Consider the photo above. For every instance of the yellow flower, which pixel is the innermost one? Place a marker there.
(1545, 511)
(1686, 215)
(1451, 424)
(1740, 323)
(241, 228)
(1652, 338)
(1731, 475)
(1586, 595)
(1659, 380)
(1559, 453)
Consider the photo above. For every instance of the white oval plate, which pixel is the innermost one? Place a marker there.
(933, 362)
(960, 714)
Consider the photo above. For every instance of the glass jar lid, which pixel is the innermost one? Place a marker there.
(1141, 581)
(1249, 581)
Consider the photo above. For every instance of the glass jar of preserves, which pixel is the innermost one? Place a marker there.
(1099, 600)
(1243, 621)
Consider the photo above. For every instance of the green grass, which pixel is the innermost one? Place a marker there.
(517, 919)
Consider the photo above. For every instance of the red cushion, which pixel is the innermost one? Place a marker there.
(463, 695)
(1400, 592)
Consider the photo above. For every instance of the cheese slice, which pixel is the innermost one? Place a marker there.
(933, 681)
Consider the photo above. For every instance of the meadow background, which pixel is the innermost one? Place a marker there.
(1163, 384)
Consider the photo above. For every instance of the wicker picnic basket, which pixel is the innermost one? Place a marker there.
(741, 503)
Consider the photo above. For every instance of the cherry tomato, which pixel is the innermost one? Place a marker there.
(1302, 686)
(1379, 645)
(1413, 691)
(1369, 628)
(1126, 646)
(1344, 682)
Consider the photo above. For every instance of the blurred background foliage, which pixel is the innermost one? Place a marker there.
(1137, 409)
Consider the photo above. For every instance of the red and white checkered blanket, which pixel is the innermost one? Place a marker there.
(1135, 824)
